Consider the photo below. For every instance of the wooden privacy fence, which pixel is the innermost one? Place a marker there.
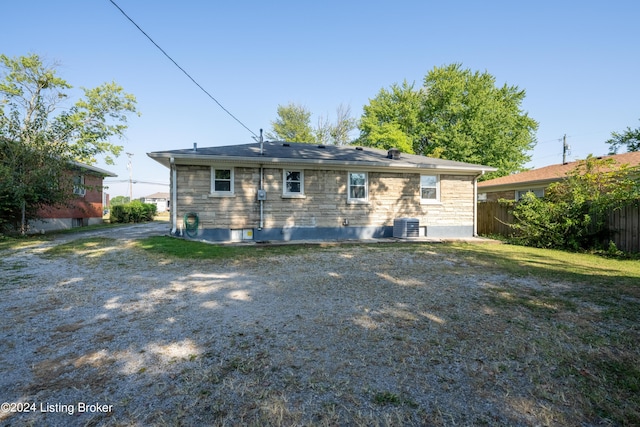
(623, 224)
(493, 218)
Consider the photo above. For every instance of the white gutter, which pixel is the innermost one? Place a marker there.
(174, 197)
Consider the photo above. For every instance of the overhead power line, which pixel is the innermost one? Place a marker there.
(134, 181)
(183, 70)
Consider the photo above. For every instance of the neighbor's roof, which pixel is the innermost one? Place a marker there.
(548, 174)
(310, 154)
(157, 196)
(93, 169)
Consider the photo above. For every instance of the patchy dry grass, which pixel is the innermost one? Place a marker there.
(363, 335)
(90, 247)
(170, 247)
(588, 322)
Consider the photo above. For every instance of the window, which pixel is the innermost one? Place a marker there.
(358, 187)
(429, 189)
(78, 185)
(221, 181)
(538, 192)
(293, 183)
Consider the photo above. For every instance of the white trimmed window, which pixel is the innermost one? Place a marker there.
(221, 181)
(292, 182)
(78, 185)
(358, 187)
(429, 189)
(538, 192)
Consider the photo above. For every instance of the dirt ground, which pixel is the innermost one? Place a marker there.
(354, 335)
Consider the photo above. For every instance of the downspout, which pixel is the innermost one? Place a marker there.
(174, 197)
(475, 204)
(261, 225)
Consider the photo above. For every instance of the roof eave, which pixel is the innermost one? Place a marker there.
(518, 185)
(93, 169)
(203, 159)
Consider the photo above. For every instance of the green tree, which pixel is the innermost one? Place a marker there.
(119, 200)
(292, 124)
(393, 119)
(574, 212)
(26, 182)
(629, 138)
(341, 130)
(40, 135)
(457, 115)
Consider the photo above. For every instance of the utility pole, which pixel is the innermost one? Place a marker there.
(565, 149)
(130, 167)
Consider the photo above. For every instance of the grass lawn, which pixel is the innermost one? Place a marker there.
(601, 355)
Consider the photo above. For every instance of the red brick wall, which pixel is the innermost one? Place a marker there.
(89, 206)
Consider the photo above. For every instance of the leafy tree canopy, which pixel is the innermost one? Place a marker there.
(393, 119)
(40, 134)
(457, 115)
(119, 200)
(630, 139)
(294, 125)
(31, 105)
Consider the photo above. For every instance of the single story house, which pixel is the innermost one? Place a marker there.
(86, 208)
(161, 200)
(513, 187)
(294, 191)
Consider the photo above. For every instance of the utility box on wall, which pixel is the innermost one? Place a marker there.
(406, 227)
(241, 235)
(262, 195)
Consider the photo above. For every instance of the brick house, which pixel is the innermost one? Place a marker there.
(293, 191)
(513, 187)
(86, 208)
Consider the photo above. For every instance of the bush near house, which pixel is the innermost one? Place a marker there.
(135, 211)
(573, 214)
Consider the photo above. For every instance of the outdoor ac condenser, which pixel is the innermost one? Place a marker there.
(406, 227)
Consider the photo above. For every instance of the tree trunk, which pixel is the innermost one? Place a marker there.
(23, 224)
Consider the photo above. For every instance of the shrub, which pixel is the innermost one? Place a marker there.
(135, 211)
(573, 214)
(547, 224)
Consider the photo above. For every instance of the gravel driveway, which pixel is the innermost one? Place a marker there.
(342, 335)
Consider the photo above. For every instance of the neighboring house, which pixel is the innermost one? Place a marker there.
(161, 200)
(293, 191)
(513, 187)
(84, 209)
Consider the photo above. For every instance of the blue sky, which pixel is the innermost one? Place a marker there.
(577, 61)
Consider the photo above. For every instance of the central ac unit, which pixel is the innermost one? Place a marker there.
(406, 227)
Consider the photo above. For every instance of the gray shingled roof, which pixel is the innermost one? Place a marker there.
(277, 152)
